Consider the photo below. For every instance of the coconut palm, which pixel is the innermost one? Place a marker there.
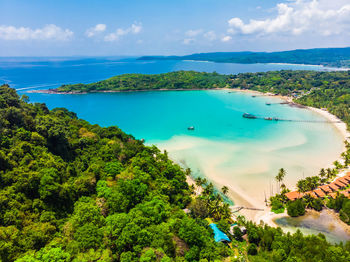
(322, 174)
(280, 176)
(199, 181)
(224, 190)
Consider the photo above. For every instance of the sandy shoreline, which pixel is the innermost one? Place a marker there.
(238, 195)
(267, 216)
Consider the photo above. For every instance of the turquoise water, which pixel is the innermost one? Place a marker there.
(225, 147)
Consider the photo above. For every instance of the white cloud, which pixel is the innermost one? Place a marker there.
(210, 35)
(193, 33)
(136, 28)
(133, 29)
(226, 38)
(188, 41)
(99, 28)
(48, 32)
(322, 17)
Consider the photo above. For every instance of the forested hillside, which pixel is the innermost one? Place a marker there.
(135, 82)
(74, 191)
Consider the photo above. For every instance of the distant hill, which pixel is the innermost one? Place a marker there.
(335, 57)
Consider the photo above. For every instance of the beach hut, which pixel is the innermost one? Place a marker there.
(219, 236)
(340, 184)
(333, 186)
(293, 195)
(311, 193)
(319, 193)
(326, 189)
(343, 180)
(242, 228)
(345, 193)
(333, 195)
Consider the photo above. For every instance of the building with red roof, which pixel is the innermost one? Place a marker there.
(294, 195)
(319, 193)
(333, 186)
(326, 189)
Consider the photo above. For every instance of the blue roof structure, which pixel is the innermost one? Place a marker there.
(219, 236)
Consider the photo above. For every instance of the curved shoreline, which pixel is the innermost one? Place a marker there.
(236, 193)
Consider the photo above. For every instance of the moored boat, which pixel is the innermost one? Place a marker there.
(247, 115)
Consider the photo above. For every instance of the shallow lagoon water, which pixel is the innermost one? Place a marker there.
(317, 222)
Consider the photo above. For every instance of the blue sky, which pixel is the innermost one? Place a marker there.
(141, 27)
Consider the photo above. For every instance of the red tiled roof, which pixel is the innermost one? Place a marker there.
(347, 176)
(333, 186)
(345, 193)
(339, 183)
(326, 189)
(333, 195)
(293, 195)
(343, 180)
(312, 194)
(319, 192)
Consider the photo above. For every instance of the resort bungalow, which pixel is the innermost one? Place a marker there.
(311, 193)
(333, 195)
(345, 193)
(242, 228)
(347, 176)
(333, 186)
(293, 195)
(319, 193)
(340, 184)
(343, 180)
(325, 189)
(219, 236)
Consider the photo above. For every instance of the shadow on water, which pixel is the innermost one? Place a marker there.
(313, 222)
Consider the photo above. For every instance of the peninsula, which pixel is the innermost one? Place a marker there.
(328, 90)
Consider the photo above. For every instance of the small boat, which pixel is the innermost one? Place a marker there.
(268, 104)
(253, 96)
(246, 115)
(190, 128)
(268, 118)
(275, 118)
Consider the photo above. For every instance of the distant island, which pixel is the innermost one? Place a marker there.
(332, 57)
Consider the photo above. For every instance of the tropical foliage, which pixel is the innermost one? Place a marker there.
(71, 191)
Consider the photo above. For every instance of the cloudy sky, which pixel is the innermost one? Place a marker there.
(140, 27)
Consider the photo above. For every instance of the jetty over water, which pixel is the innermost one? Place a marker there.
(251, 116)
(236, 209)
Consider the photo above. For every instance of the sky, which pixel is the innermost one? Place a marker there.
(160, 27)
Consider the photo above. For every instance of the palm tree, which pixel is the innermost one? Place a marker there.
(280, 176)
(308, 200)
(199, 181)
(209, 189)
(322, 174)
(337, 164)
(215, 208)
(329, 173)
(224, 190)
(301, 186)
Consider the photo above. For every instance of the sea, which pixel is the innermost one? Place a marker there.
(243, 154)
